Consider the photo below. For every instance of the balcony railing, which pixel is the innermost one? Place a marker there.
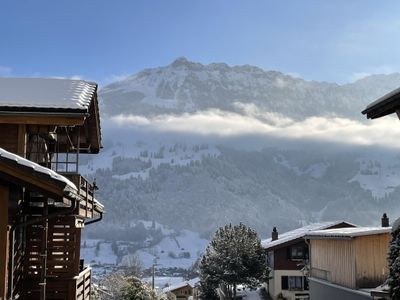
(83, 284)
(88, 207)
(320, 274)
(76, 288)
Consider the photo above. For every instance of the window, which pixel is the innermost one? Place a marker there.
(294, 283)
(297, 253)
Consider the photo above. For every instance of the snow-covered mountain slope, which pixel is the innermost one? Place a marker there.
(199, 181)
(185, 86)
(207, 188)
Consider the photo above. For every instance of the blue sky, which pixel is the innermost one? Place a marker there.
(102, 40)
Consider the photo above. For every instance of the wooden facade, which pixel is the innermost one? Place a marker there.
(288, 254)
(359, 262)
(44, 201)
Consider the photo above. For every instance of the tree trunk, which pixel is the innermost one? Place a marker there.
(234, 291)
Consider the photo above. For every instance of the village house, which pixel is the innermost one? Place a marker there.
(347, 263)
(45, 126)
(184, 290)
(287, 258)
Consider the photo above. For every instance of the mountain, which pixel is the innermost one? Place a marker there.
(185, 86)
(200, 181)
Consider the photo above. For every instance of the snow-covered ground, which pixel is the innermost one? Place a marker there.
(164, 281)
(378, 173)
(179, 251)
(98, 252)
(175, 250)
(252, 295)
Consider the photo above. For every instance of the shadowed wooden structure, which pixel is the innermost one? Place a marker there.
(45, 125)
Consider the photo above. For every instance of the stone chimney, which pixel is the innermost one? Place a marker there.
(385, 220)
(274, 234)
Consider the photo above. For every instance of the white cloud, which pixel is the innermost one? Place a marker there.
(294, 74)
(384, 69)
(359, 75)
(113, 78)
(4, 70)
(384, 132)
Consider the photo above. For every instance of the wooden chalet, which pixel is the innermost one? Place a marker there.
(184, 290)
(288, 256)
(348, 263)
(45, 125)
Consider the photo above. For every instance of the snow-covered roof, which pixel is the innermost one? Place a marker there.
(387, 104)
(192, 283)
(350, 232)
(11, 157)
(299, 233)
(45, 93)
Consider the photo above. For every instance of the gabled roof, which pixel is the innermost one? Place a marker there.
(299, 233)
(46, 94)
(347, 233)
(385, 105)
(191, 283)
(60, 102)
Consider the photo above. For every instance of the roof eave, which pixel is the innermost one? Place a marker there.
(385, 105)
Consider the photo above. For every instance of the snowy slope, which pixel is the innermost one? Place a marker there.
(180, 251)
(175, 249)
(378, 173)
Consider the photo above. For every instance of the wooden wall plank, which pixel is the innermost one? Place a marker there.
(9, 137)
(371, 260)
(337, 258)
(22, 140)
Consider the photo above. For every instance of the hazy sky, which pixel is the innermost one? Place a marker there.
(101, 40)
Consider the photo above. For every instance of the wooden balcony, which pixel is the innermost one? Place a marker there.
(76, 288)
(83, 284)
(88, 206)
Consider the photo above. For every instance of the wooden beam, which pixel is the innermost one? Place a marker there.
(22, 140)
(4, 240)
(31, 181)
(42, 120)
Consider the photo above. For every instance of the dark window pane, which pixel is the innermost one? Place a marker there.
(284, 283)
(305, 283)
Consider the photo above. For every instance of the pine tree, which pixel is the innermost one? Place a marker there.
(394, 264)
(234, 256)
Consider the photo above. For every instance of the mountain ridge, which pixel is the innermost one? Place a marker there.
(184, 86)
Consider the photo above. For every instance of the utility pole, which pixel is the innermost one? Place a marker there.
(153, 271)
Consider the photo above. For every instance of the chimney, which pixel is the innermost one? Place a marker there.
(274, 234)
(385, 220)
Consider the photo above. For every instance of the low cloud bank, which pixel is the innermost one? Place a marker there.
(382, 132)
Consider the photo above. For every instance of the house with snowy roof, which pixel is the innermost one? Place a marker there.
(288, 255)
(348, 263)
(184, 290)
(45, 125)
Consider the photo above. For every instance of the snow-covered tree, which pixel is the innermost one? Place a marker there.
(116, 286)
(234, 256)
(394, 262)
